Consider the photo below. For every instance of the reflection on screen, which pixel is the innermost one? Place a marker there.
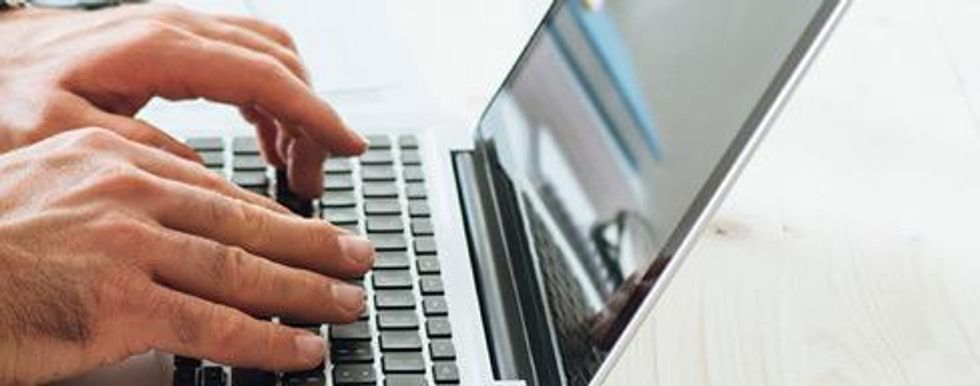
(608, 128)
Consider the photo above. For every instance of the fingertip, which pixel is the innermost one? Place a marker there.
(311, 349)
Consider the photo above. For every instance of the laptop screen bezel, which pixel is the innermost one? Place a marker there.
(709, 196)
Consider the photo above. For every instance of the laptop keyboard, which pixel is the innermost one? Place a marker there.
(404, 337)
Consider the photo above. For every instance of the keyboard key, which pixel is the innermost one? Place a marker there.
(339, 199)
(442, 349)
(422, 227)
(382, 206)
(305, 378)
(248, 162)
(402, 363)
(185, 376)
(388, 241)
(413, 174)
(438, 327)
(418, 208)
(213, 158)
(341, 216)
(182, 361)
(385, 224)
(250, 179)
(415, 190)
(397, 320)
(352, 228)
(425, 246)
(351, 351)
(354, 374)
(338, 182)
(394, 299)
(378, 173)
(252, 377)
(434, 305)
(411, 157)
(377, 157)
(431, 285)
(400, 341)
(212, 376)
(391, 260)
(380, 190)
(359, 330)
(445, 372)
(245, 145)
(206, 144)
(408, 141)
(392, 279)
(428, 265)
(405, 380)
(379, 141)
(338, 166)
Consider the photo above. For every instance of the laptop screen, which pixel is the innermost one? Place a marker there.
(613, 122)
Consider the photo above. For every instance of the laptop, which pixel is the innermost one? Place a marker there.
(530, 253)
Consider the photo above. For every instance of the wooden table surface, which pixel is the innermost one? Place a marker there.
(849, 251)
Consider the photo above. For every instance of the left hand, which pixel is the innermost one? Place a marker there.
(63, 70)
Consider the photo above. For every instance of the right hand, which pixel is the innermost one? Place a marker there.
(109, 248)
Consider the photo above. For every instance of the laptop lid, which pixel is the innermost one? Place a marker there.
(617, 131)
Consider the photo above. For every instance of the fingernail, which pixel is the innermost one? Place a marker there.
(357, 249)
(311, 347)
(349, 297)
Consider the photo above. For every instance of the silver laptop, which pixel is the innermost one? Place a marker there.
(529, 254)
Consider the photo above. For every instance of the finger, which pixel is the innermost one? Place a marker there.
(189, 326)
(283, 142)
(258, 286)
(268, 133)
(290, 240)
(235, 75)
(306, 168)
(271, 31)
(139, 131)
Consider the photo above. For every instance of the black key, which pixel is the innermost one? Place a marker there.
(411, 157)
(338, 165)
(392, 279)
(413, 174)
(379, 141)
(206, 144)
(245, 145)
(341, 216)
(418, 208)
(408, 141)
(306, 378)
(388, 242)
(338, 182)
(377, 157)
(445, 372)
(248, 162)
(422, 227)
(185, 376)
(394, 299)
(438, 327)
(400, 341)
(339, 199)
(378, 173)
(359, 330)
(434, 305)
(382, 206)
(250, 179)
(182, 361)
(415, 190)
(431, 285)
(442, 349)
(213, 158)
(252, 377)
(380, 190)
(425, 246)
(354, 374)
(405, 380)
(351, 351)
(391, 260)
(212, 376)
(428, 265)
(397, 320)
(385, 224)
(402, 362)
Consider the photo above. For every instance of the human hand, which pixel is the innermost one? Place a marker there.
(68, 69)
(110, 248)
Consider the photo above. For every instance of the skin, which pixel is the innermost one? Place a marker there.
(91, 270)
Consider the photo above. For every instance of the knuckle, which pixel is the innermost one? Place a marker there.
(231, 267)
(152, 31)
(125, 180)
(167, 11)
(94, 138)
(228, 328)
